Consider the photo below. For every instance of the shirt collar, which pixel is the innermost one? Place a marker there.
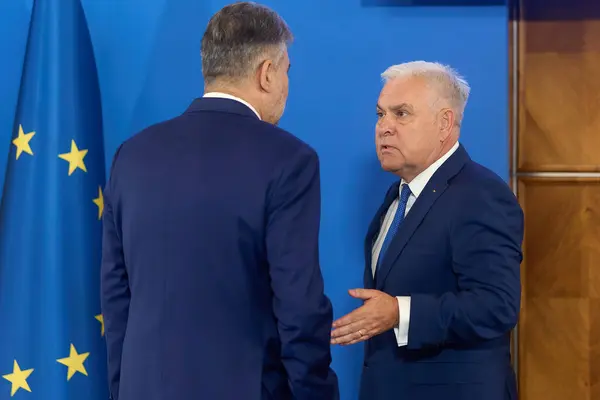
(228, 96)
(420, 181)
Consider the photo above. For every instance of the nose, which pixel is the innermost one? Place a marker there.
(384, 128)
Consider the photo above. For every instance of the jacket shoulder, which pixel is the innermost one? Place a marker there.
(283, 139)
(476, 177)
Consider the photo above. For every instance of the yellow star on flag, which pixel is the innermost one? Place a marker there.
(75, 158)
(99, 201)
(74, 362)
(18, 378)
(100, 318)
(22, 142)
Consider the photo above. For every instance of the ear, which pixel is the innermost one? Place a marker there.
(446, 120)
(266, 75)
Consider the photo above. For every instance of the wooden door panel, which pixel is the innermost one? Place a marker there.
(559, 96)
(559, 328)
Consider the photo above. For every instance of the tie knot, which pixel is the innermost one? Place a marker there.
(405, 193)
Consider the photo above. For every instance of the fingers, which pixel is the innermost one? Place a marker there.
(347, 329)
(355, 332)
(355, 341)
(361, 324)
(350, 337)
(348, 319)
(364, 294)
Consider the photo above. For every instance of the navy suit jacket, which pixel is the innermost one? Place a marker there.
(210, 282)
(457, 255)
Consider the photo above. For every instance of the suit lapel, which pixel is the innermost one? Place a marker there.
(432, 191)
(411, 222)
(374, 228)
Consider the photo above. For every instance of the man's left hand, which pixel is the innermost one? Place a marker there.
(378, 314)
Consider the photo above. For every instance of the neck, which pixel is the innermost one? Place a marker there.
(447, 146)
(233, 91)
(411, 174)
(243, 92)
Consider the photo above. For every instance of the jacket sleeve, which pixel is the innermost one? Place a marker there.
(304, 313)
(486, 238)
(115, 295)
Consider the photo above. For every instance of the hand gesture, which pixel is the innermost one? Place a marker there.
(378, 314)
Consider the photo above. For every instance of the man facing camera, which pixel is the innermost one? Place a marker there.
(443, 253)
(211, 284)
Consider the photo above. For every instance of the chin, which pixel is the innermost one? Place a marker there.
(386, 165)
(387, 168)
(391, 168)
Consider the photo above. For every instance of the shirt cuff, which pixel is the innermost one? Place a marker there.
(401, 330)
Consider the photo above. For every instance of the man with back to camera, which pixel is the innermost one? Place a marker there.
(211, 284)
(443, 253)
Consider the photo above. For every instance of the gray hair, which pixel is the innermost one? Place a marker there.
(238, 36)
(449, 85)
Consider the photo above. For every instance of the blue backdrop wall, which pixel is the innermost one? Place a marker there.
(147, 53)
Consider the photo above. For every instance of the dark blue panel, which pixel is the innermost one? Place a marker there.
(556, 10)
(420, 3)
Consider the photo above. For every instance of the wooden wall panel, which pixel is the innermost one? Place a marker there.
(559, 329)
(559, 95)
(555, 171)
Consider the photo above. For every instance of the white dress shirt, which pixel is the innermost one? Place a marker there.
(416, 187)
(230, 97)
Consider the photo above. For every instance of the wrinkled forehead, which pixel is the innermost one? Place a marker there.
(413, 91)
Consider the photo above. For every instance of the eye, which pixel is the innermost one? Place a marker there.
(401, 113)
(379, 114)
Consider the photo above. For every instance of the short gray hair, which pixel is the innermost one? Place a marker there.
(237, 36)
(449, 84)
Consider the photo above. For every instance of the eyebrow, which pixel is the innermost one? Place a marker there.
(397, 107)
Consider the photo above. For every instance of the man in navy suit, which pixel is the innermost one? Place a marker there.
(443, 253)
(211, 284)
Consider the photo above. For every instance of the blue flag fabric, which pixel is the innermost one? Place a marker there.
(51, 330)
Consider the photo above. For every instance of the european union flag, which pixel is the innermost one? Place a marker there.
(51, 344)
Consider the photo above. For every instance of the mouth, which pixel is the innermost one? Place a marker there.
(385, 148)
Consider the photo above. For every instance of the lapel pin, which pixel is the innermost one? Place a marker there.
(433, 190)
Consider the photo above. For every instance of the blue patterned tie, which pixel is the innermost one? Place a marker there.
(398, 218)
